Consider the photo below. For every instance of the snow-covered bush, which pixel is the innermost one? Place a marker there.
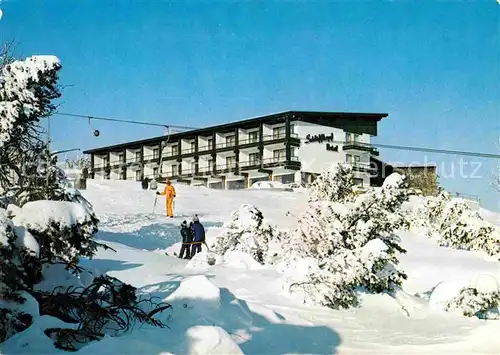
(472, 303)
(248, 232)
(454, 224)
(335, 184)
(478, 297)
(20, 269)
(106, 306)
(435, 206)
(462, 228)
(352, 244)
(64, 230)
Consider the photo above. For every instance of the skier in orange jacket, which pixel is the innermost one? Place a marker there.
(169, 191)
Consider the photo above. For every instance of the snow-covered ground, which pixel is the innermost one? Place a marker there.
(238, 306)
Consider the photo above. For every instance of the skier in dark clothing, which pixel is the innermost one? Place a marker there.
(199, 235)
(145, 183)
(187, 238)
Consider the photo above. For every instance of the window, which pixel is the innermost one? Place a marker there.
(121, 158)
(348, 158)
(253, 137)
(351, 137)
(358, 182)
(210, 164)
(105, 161)
(175, 170)
(138, 175)
(156, 153)
(155, 172)
(193, 147)
(279, 132)
(137, 156)
(230, 141)
(293, 152)
(210, 143)
(193, 167)
(279, 154)
(175, 149)
(253, 158)
(231, 162)
(357, 159)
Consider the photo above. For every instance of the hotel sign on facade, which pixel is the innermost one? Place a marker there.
(320, 138)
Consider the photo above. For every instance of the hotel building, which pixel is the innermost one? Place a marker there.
(290, 146)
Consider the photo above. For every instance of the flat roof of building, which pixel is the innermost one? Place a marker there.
(308, 116)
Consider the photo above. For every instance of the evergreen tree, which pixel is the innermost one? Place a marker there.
(352, 245)
(42, 227)
(335, 184)
(248, 232)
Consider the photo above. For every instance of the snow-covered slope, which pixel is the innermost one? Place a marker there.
(237, 307)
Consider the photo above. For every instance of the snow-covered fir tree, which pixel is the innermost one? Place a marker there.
(41, 227)
(42, 179)
(248, 232)
(351, 246)
(27, 90)
(335, 184)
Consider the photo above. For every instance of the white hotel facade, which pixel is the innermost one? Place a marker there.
(290, 146)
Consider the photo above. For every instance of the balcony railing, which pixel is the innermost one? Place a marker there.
(205, 169)
(187, 172)
(353, 145)
(273, 160)
(249, 163)
(205, 148)
(187, 151)
(361, 166)
(151, 157)
(249, 141)
(225, 145)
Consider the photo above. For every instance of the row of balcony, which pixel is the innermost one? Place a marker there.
(240, 167)
(233, 167)
(232, 144)
(155, 157)
(170, 153)
(219, 169)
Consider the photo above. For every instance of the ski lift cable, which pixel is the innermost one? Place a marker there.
(419, 149)
(89, 117)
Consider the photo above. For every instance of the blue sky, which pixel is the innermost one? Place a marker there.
(432, 66)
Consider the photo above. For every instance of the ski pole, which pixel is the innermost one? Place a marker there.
(154, 206)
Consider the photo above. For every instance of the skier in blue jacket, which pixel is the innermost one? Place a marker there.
(199, 235)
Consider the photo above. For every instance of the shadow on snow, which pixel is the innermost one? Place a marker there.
(255, 333)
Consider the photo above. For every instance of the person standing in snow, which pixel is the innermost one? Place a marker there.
(199, 235)
(153, 185)
(169, 192)
(187, 238)
(145, 183)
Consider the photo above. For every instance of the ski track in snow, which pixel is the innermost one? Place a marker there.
(252, 307)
